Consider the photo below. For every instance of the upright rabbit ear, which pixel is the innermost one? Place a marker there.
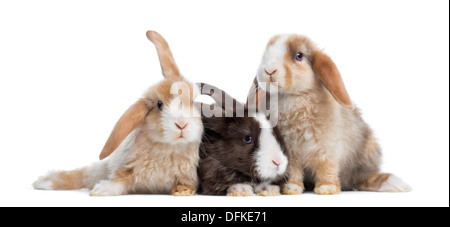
(130, 120)
(229, 104)
(255, 95)
(328, 73)
(168, 66)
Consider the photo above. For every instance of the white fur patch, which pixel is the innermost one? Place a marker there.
(176, 114)
(273, 60)
(107, 188)
(263, 122)
(269, 152)
(394, 184)
(114, 161)
(43, 184)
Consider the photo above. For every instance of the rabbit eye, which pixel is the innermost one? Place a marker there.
(248, 140)
(299, 56)
(160, 105)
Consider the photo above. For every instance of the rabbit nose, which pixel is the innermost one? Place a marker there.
(270, 72)
(277, 163)
(181, 125)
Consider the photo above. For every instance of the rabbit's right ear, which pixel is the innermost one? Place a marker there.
(130, 120)
(168, 66)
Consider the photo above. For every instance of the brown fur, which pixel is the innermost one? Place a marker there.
(68, 180)
(299, 183)
(373, 183)
(168, 66)
(327, 72)
(297, 44)
(145, 152)
(225, 160)
(129, 121)
(273, 40)
(288, 76)
(123, 176)
(328, 142)
(253, 99)
(326, 174)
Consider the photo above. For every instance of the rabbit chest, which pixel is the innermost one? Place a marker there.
(160, 168)
(308, 130)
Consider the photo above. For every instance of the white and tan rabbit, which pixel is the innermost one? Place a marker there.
(330, 146)
(154, 144)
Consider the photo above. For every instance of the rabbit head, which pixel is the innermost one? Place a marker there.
(166, 113)
(295, 63)
(244, 142)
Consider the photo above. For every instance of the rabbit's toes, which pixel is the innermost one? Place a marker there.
(327, 189)
(240, 190)
(292, 189)
(267, 190)
(182, 190)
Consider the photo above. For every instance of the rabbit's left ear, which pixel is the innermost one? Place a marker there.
(130, 120)
(327, 72)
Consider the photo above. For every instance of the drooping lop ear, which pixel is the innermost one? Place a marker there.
(130, 120)
(168, 66)
(327, 72)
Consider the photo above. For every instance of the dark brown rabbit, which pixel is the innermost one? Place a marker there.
(240, 154)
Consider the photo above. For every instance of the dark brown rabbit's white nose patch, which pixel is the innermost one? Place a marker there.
(270, 159)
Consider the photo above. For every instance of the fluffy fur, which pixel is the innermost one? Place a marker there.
(330, 146)
(230, 166)
(154, 144)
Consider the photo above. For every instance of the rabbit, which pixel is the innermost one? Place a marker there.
(154, 146)
(331, 148)
(240, 154)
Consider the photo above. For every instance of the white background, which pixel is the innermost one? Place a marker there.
(69, 69)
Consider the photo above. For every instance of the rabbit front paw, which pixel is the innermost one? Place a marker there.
(267, 190)
(240, 190)
(292, 189)
(327, 189)
(182, 190)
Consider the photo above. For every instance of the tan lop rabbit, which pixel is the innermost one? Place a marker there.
(153, 148)
(330, 146)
